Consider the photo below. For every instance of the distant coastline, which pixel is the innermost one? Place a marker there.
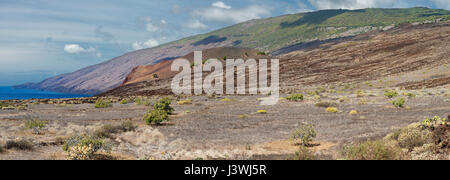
(10, 93)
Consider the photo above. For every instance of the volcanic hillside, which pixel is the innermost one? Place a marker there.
(409, 56)
(271, 35)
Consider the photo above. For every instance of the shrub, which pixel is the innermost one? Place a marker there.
(372, 150)
(413, 136)
(155, 76)
(295, 97)
(262, 111)
(102, 104)
(353, 112)
(124, 101)
(19, 144)
(326, 104)
(261, 53)
(164, 104)
(156, 117)
(434, 121)
(83, 147)
(399, 103)
(410, 95)
(304, 154)
(359, 93)
(391, 93)
(107, 130)
(332, 110)
(225, 100)
(186, 101)
(306, 133)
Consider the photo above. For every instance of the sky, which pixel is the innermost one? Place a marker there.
(44, 38)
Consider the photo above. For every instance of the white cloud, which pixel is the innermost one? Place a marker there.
(196, 25)
(163, 21)
(151, 28)
(231, 15)
(351, 4)
(442, 4)
(220, 4)
(147, 44)
(77, 49)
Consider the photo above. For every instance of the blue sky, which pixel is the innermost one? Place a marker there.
(43, 38)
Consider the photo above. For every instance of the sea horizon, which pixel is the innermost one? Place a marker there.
(11, 93)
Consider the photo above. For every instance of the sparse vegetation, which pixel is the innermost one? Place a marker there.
(372, 150)
(306, 133)
(19, 144)
(101, 103)
(295, 97)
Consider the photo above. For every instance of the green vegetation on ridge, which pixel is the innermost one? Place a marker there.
(278, 32)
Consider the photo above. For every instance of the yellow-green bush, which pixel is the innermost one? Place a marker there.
(332, 110)
(186, 101)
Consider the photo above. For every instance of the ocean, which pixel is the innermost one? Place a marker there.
(8, 93)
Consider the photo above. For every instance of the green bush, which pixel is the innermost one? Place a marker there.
(164, 104)
(399, 103)
(19, 144)
(372, 150)
(102, 104)
(295, 97)
(391, 93)
(261, 53)
(303, 154)
(156, 117)
(306, 133)
(83, 147)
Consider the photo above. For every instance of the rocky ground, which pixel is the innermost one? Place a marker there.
(211, 128)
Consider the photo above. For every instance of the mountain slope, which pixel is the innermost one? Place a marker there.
(408, 56)
(265, 34)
